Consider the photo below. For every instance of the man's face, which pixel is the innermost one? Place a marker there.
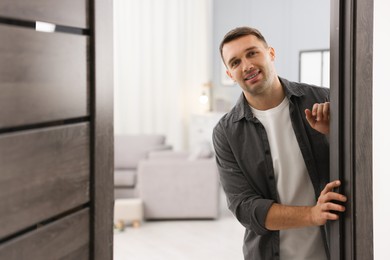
(249, 62)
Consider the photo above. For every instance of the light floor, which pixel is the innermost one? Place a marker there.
(219, 239)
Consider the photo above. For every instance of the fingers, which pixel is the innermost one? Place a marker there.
(328, 211)
(330, 186)
(323, 212)
(332, 196)
(326, 110)
(310, 118)
(320, 111)
(327, 207)
(332, 206)
(318, 117)
(330, 216)
(328, 197)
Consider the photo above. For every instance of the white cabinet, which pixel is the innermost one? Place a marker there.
(201, 128)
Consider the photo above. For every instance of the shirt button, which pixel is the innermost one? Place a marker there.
(277, 254)
(267, 152)
(271, 177)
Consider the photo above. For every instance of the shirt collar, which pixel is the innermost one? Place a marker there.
(242, 109)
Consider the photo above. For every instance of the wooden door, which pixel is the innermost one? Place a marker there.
(56, 143)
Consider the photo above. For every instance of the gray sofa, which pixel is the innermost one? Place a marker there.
(179, 185)
(128, 151)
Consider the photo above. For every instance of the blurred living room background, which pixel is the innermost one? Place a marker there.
(170, 89)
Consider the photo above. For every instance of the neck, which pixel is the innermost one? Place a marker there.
(270, 98)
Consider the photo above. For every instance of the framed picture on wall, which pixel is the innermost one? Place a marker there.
(314, 67)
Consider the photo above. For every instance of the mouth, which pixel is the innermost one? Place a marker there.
(252, 75)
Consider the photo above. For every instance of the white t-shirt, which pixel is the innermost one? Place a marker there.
(293, 182)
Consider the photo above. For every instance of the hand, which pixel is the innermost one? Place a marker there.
(320, 213)
(318, 117)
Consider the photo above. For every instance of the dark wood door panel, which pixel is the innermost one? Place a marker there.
(44, 173)
(66, 238)
(70, 12)
(80, 254)
(43, 76)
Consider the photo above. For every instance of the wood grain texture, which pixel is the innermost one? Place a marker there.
(335, 141)
(353, 127)
(363, 131)
(102, 186)
(347, 158)
(43, 76)
(66, 238)
(81, 253)
(70, 13)
(43, 173)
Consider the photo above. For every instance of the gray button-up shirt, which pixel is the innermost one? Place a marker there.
(246, 168)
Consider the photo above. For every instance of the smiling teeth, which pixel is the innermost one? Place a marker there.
(251, 77)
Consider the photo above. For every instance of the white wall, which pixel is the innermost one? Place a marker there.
(381, 130)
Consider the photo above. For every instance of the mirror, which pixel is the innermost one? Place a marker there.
(166, 61)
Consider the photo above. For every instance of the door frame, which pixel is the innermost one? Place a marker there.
(102, 157)
(351, 50)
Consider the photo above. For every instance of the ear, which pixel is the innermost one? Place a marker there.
(272, 53)
(230, 75)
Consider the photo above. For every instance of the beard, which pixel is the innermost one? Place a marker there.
(260, 87)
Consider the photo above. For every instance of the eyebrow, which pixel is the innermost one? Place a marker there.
(246, 50)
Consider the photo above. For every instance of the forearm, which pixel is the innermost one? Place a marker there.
(282, 217)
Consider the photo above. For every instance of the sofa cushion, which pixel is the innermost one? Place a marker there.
(202, 151)
(125, 193)
(125, 178)
(130, 149)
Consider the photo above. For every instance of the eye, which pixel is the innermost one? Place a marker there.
(251, 53)
(234, 63)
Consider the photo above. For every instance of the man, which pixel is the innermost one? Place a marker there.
(273, 155)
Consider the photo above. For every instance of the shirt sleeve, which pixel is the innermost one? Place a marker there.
(249, 206)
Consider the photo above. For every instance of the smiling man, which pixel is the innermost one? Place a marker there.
(273, 155)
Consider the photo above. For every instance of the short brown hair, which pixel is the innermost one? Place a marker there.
(240, 32)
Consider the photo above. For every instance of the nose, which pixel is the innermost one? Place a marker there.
(247, 65)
